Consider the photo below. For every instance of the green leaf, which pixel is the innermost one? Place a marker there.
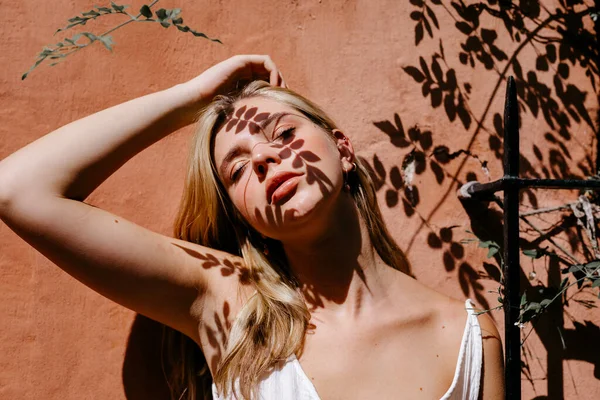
(105, 9)
(545, 302)
(564, 283)
(106, 41)
(165, 24)
(592, 266)
(500, 300)
(161, 14)
(117, 7)
(177, 21)
(45, 52)
(145, 11)
(492, 251)
(523, 300)
(32, 67)
(596, 283)
(575, 268)
(88, 35)
(488, 243)
(533, 306)
(533, 253)
(90, 13)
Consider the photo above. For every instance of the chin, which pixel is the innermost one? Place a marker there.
(305, 211)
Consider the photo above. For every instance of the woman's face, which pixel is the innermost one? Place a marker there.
(278, 167)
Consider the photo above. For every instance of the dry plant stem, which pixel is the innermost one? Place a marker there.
(498, 201)
(546, 210)
(538, 230)
(491, 309)
(558, 246)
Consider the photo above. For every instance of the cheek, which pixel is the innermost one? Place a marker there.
(246, 198)
(329, 162)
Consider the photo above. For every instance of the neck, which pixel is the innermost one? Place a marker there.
(339, 271)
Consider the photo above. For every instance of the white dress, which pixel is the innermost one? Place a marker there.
(289, 382)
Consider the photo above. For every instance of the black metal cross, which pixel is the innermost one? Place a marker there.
(510, 184)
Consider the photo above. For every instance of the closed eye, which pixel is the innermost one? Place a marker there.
(286, 134)
(238, 171)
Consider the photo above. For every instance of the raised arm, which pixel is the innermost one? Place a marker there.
(43, 186)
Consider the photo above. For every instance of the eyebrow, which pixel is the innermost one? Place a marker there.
(237, 149)
(275, 116)
(231, 154)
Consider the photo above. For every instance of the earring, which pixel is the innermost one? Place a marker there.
(264, 245)
(347, 179)
(347, 186)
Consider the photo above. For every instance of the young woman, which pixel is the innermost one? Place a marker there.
(282, 281)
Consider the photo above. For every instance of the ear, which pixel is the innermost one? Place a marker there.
(345, 148)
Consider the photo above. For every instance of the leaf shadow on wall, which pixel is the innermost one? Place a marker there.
(550, 89)
(142, 371)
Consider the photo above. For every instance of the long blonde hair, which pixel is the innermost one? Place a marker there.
(271, 326)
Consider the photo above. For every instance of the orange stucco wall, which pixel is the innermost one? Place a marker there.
(360, 60)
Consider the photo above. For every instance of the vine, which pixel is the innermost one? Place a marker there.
(586, 274)
(68, 46)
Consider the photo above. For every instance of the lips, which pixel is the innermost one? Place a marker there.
(281, 184)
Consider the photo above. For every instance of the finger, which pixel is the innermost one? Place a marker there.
(274, 79)
(282, 81)
(262, 67)
(274, 75)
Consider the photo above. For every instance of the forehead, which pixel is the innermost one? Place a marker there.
(244, 122)
(262, 104)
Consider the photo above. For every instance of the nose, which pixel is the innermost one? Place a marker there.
(263, 155)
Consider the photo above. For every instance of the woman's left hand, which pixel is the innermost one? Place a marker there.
(230, 74)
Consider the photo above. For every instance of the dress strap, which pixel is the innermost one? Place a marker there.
(467, 376)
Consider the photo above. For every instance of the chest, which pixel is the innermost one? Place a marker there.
(410, 362)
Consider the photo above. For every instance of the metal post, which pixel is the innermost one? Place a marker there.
(512, 268)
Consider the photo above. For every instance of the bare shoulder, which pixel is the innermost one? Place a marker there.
(454, 313)
(492, 380)
(226, 279)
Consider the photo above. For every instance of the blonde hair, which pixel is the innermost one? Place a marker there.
(271, 326)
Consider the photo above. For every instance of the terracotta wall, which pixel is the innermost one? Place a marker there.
(406, 81)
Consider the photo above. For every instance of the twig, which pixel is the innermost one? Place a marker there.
(134, 19)
(546, 210)
(538, 230)
(558, 246)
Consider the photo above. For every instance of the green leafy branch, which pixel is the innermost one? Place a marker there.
(493, 251)
(529, 310)
(68, 46)
(589, 271)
